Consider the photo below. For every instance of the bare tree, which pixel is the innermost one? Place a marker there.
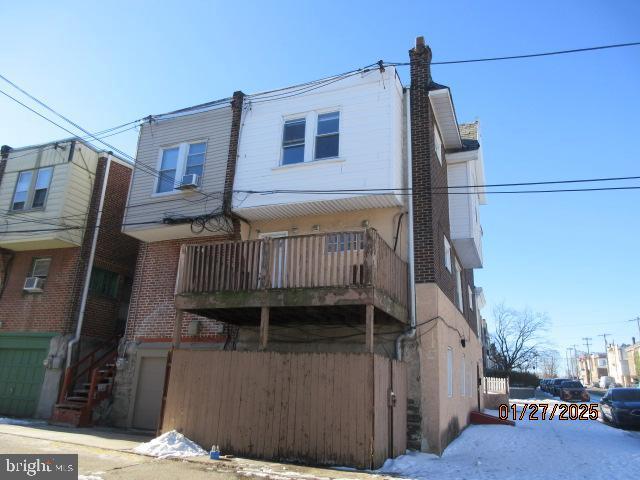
(550, 364)
(518, 338)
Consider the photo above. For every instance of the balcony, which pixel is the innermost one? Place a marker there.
(231, 281)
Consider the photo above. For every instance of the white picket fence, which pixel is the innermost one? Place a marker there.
(495, 385)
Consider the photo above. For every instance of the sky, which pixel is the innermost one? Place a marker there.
(575, 256)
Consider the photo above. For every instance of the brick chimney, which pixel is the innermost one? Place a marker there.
(422, 162)
(4, 154)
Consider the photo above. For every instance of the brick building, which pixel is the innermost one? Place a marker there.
(280, 222)
(57, 215)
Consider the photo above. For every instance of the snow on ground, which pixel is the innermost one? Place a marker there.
(170, 444)
(20, 421)
(542, 449)
(89, 477)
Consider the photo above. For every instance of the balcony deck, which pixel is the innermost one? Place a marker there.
(232, 281)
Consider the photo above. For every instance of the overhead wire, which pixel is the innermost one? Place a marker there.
(527, 55)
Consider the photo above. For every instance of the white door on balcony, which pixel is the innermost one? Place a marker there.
(278, 260)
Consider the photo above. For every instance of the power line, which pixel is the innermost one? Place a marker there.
(527, 55)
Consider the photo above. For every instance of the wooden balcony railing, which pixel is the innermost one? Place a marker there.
(342, 259)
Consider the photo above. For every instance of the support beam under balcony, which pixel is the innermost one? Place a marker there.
(369, 334)
(264, 327)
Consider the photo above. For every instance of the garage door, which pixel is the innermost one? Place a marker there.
(149, 392)
(21, 372)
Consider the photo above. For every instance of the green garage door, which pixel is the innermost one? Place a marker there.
(21, 372)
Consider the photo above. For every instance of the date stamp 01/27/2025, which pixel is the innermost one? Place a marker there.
(546, 411)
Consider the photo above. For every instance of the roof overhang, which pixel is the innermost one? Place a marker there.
(445, 115)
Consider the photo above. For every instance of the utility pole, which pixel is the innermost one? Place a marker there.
(575, 359)
(637, 320)
(586, 344)
(605, 335)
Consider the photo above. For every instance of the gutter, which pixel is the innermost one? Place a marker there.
(92, 254)
(411, 332)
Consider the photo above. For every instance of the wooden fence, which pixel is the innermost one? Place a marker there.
(316, 408)
(341, 259)
(495, 385)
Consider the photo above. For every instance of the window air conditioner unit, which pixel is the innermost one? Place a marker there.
(33, 284)
(189, 181)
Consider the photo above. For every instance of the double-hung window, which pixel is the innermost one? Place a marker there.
(179, 160)
(447, 253)
(327, 135)
(32, 188)
(293, 141)
(449, 372)
(104, 282)
(437, 144)
(459, 286)
(40, 268)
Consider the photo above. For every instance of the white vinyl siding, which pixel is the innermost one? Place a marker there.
(64, 189)
(449, 372)
(368, 120)
(144, 205)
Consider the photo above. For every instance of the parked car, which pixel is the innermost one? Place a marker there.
(546, 384)
(573, 390)
(554, 388)
(621, 407)
(606, 382)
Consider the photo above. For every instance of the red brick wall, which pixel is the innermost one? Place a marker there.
(57, 308)
(430, 205)
(49, 311)
(115, 252)
(152, 312)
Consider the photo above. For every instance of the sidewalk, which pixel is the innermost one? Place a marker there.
(106, 454)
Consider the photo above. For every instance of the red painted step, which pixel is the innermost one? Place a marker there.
(478, 418)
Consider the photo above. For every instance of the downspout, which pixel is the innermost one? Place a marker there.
(92, 254)
(411, 332)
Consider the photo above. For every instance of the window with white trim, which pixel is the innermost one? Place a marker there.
(463, 377)
(459, 286)
(470, 297)
(293, 141)
(40, 267)
(179, 160)
(447, 253)
(437, 144)
(327, 135)
(32, 188)
(449, 372)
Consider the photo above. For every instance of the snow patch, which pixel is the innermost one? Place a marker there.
(21, 421)
(170, 444)
(572, 450)
(89, 477)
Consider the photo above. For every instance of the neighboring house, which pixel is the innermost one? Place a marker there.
(164, 211)
(618, 364)
(592, 367)
(65, 272)
(331, 232)
(632, 353)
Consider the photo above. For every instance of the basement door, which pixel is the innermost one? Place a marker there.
(148, 401)
(21, 372)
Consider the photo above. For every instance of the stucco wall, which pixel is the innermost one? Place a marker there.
(444, 416)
